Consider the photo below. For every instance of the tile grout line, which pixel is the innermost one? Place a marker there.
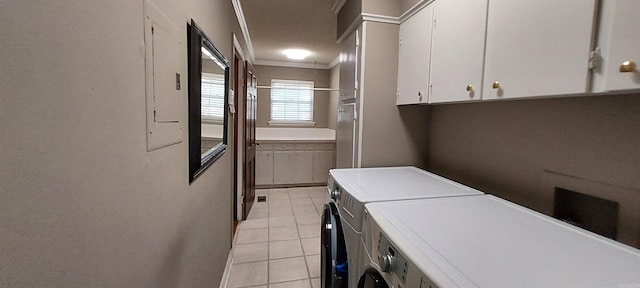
(268, 239)
(306, 264)
(283, 258)
(304, 256)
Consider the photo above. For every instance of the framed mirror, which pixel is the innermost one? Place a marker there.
(208, 93)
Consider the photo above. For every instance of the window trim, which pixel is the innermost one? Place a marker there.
(310, 122)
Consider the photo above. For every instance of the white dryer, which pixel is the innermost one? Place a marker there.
(350, 190)
(484, 241)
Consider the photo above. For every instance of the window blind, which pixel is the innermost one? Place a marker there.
(291, 101)
(212, 105)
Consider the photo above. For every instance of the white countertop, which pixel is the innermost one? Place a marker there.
(295, 134)
(211, 131)
(277, 134)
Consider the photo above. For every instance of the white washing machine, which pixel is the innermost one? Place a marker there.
(349, 190)
(484, 241)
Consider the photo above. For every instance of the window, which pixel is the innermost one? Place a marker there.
(212, 109)
(291, 102)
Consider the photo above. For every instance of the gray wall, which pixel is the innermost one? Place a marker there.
(83, 204)
(406, 5)
(381, 7)
(349, 12)
(391, 135)
(334, 75)
(521, 150)
(320, 78)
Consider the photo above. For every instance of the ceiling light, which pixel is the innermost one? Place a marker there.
(296, 54)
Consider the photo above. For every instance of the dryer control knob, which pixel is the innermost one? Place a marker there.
(335, 194)
(386, 262)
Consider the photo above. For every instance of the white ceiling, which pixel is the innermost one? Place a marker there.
(276, 25)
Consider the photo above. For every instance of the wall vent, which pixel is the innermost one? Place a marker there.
(595, 214)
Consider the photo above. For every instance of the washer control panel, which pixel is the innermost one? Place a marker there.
(390, 260)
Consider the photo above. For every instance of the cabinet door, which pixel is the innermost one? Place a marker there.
(322, 162)
(349, 61)
(283, 167)
(623, 46)
(413, 57)
(304, 160)
(538, 47)
(457, 55)
(264, 168)
(347, 136)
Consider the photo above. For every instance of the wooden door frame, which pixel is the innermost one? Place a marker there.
(235, 136)
(238, 76)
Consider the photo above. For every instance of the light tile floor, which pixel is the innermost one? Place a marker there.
(278, 246)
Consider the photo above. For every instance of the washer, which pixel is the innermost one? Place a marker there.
(484, 241)
(349, 190)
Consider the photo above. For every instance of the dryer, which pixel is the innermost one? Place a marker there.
(350, 190)
(487, 242)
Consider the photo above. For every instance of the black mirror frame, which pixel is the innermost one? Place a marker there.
(198, 163)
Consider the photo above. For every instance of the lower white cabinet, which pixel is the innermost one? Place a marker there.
(264, 163)
(288, 164)
(283, 167)
(302, 161)
(322, 163)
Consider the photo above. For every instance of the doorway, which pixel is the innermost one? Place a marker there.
(250, 113)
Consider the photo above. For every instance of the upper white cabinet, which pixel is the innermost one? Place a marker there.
(414, 56)
(349, 62)
(538, 47)
(620, 43)
(457, 52)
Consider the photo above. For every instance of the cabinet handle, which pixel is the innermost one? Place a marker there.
(496, 85)
(628, 66)
(419, 96)
(469, 88)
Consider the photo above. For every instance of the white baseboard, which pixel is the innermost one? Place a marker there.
(224, 282)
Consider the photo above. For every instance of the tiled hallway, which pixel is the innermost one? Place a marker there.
(278, 246)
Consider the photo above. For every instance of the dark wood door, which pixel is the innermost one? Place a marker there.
(250, 97)
(238, 75)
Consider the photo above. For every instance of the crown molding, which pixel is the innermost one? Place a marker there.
(293, 64)
(237, 46)
(337, 6)
(335, 62)
(380, 18)
(237, 7)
